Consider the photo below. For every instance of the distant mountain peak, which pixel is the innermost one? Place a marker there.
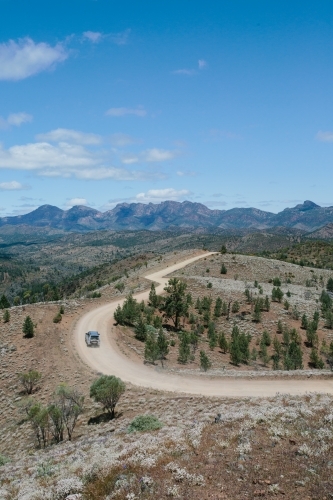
(307, 205)
(307, 216)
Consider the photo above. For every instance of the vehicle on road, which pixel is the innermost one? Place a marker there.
(93, 339)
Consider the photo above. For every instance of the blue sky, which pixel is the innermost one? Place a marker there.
(225, 103)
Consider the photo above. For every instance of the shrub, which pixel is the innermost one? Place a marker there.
(144, 423)
(120, 286)
(57, 318)
(3, 460)
(62, 309)
(107, 390)
(30, 380)
(276, 282)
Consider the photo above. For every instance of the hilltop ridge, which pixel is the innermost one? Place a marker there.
(307, 216)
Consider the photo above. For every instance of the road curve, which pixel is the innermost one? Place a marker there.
(109, 360)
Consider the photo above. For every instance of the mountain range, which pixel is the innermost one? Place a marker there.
(307, 217)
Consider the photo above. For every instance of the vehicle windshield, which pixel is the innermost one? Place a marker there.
(94, 336)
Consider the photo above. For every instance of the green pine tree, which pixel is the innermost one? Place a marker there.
(6, 316)
(140, 330)
(162, 345)
(205, 363)
(223, 269)
(184, 348)
(28, 328)
(151, 348)
(153, 299)
(218, 307)
(4, 302)
(223, 343)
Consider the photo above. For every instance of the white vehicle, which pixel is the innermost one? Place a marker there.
(92, 339)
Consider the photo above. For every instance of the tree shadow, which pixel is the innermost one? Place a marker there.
(102, 418)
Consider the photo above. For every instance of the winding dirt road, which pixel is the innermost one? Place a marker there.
(109, 360)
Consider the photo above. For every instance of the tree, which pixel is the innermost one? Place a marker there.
(224, 309)
(293, 357)
(263, 353)
(4, 302)
(234, 347)
(107, 390)
(311, 335)
(30, 380)
(304, 323)
(153, 299)
(118, 315)
(266, 338)
(329, 286)
(277, 294)
(184, 348)
(257, 312)
(205, 363)
(223, 343)
(140, 330)
(267, 303)
(223, 249)
(162, 345)
(279, 327)
(176, 303)
(316, 360)
(235, 307)
(38, 416)
(223, 269)
(218, 307)
(248, 295)
(329, 320)
(151, 348)
(28, 328)
(70, 403)
(6, 316)
(276, 282)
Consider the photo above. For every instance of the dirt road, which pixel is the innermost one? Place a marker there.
(110, 361)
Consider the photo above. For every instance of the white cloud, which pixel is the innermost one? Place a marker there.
(65, 159)
(93, 36)
(76, 201)
(324, 136)
(121, 140)
(184, 71)
(202, 64)
(19, 60)
(158, 155)
(15, 119)
(153, 155)
(187, 173)
(41, 155)
(139, 111)
(13, 186)
(120, 38)
(162, 194)
(68, 135)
